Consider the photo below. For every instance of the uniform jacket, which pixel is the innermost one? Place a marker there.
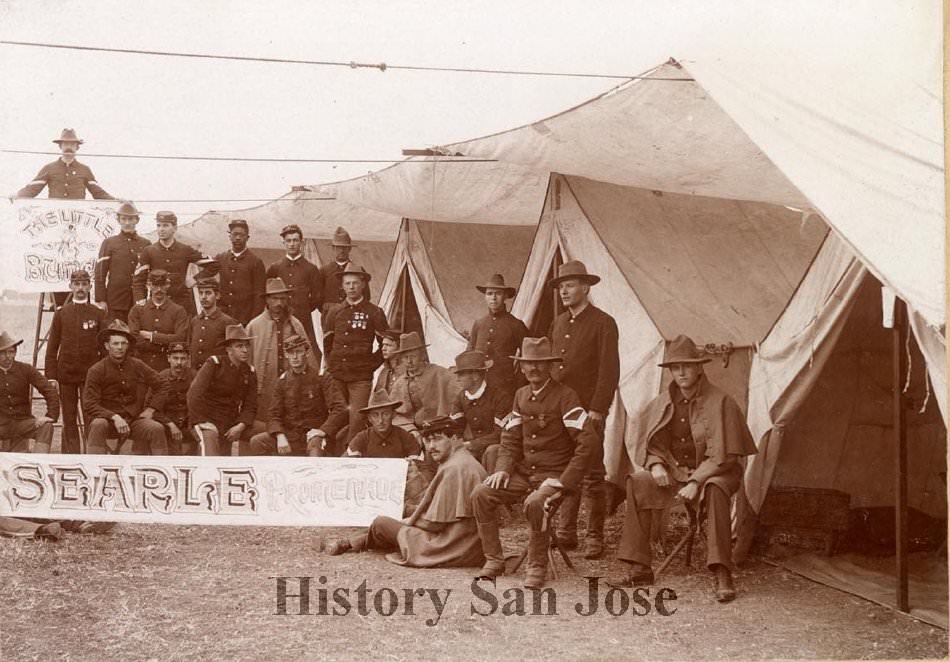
(224, 394)
(242, 280)
(119, 388)
(206, 334)
(588, 345)
(484, 413)
(170, 324)
(398, 443)
(499, 336)
(16, 397)
(65, 182)
(717, 425)
(73, 344)
(548, 433)
(172, 405)
(305, 281)
(427, 395)
(118, 258)
(348, 341)
(305, 401)
(266, 353)
(175, 260)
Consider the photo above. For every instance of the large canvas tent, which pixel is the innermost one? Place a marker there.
(431, 282)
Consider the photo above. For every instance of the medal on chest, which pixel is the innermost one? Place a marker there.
(359, 320)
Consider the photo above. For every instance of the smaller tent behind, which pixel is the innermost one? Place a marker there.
(431, 283)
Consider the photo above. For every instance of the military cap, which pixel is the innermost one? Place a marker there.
(158, 277)
(442, 425)
(178, 347)
(166, 217)
(290, 229)
(79, 275)
(238, 223)
(294, 342)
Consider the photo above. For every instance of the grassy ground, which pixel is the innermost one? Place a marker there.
(179, 593)
(183, 593)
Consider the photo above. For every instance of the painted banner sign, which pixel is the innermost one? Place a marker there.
(43, 241)
(258, 491)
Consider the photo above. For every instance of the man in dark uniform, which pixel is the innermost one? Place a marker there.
(222, 400)
(243, 277)
(169, 255)
(71, 349)
(305, 410)
(302, 277)
(586, 339)
(114, 398)
(689, 440)
(171, 407)
(499, 334)
(546, 448)
(17, 424)
(381, 438)
(118, 259)
(333, 294)
(157, 323)
(349, 332)
(479, 407)
(66, 177)
(392, 367)
(207, 327)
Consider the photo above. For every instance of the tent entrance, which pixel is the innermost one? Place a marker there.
(549, 305)
(406, 315)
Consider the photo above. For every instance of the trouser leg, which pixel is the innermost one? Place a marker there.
(263, 444)
(595, 491)
(635, 539)
(382, 534)
(208, 440)
(96, 434)
(43, 435)
(718, 527)
(14, 527)
(148, 437)
(358, 397)
(490, 458)
(69, 399)
(485, 503)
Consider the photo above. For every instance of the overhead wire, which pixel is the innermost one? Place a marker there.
(382, 66)
(182, 157)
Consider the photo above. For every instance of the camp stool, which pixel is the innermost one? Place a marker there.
(693, 518)
(552, 505)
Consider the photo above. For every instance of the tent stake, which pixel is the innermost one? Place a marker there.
(900, 438)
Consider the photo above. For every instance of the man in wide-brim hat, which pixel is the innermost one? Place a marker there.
(114, 398)
(391, 368)
(381, 438)
(688, 440)
(117, 262)
(480, 407)
(275, 324)
(350, 333)
(305, 411)
(427, 390)
(333, 293)
(17, 423)
(66, 177)
(222, 400)
(586, 338)
(546, 447)
(499, 334)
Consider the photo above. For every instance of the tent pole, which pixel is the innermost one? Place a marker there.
(899, 362)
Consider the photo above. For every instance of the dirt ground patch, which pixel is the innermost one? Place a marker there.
(176, 593)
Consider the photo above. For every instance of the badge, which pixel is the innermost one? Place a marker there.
(542, 420)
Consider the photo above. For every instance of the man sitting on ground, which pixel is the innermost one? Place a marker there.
(441, 532)
(480, 407)
(306, 409)
(546, 447)
(689, 440)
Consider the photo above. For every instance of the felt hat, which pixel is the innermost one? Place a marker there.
(380, 400)
(392, 334)
(7, 341)
(341, 238)
(536, 349)
(295, 341)
(682, 350)
(127, 208)
(442, 424)
(573, 269)
(79, 275)
(238, 223)
(352, 268)
(68, 135)
(235, 333)
(409, 342)
(116, 327)
(472, 359)
(290, 229)
(275, 286)
(166, 217)
(178, 347)
(497, 282)
(158, 277)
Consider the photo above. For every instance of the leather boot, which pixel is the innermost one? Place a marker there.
(632, 575)
(536, 569)
(725, 590)
(597, 512)
(491, 548)
(567, 521)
